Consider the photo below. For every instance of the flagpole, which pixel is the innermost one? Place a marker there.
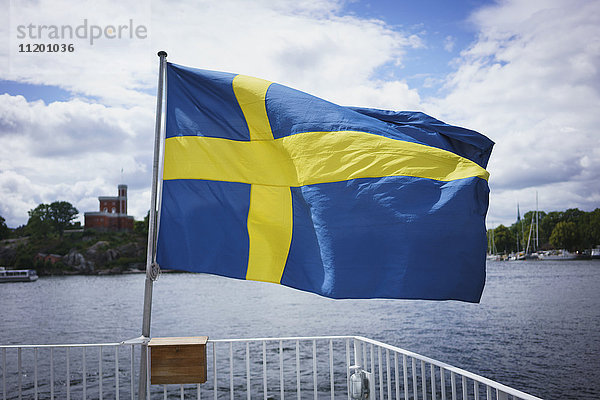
(151, 266)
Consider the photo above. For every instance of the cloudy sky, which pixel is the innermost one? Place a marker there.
(75, 124)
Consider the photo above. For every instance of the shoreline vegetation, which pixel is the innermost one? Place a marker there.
(573, 230)
(77, 253)
(52, 244)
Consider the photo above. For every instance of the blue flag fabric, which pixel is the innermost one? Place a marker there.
(268, 183)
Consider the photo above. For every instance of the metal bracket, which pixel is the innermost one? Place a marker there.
(137, 340)
(360, 385)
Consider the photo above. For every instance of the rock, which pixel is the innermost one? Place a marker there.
(115, 270)
(111, 255)
(131, 250)
(97, 247)
(77, 261)
(100, 254)
(8, 249)
(73, 258)
(7, 255)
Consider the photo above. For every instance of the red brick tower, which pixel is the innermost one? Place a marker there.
(112, 215)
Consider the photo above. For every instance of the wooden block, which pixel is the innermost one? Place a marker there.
(178, 360)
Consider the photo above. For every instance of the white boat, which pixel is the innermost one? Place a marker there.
(533, 240)
(492, 255)
(557, 255)
(17, 275)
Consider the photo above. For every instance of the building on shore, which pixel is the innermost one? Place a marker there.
(47, 258)
(112, 215)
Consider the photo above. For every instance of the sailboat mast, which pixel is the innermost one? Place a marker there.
(518, 221)
(529, 237)
(537, 244)
(522, 229)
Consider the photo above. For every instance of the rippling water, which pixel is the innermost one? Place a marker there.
(537, 327)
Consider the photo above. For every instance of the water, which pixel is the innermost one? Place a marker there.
(537, 327)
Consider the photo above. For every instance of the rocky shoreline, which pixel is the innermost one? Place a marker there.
(84, 254)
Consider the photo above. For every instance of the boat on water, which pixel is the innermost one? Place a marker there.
(17, 275)
(561, 255)
(533, 241)
(519, 256)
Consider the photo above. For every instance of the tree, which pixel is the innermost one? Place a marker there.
(547, 224)
(39, 221)
(517, 230)
(19, 231)
(141, 227)
(61, 215)
(4, 231)
(589, 229)
(564, 235)
(594, 229)
(504, 239)
(46, 218)
(578, 230)
(573, 215)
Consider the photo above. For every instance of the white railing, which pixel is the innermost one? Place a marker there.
(63, 371)
(269, 368)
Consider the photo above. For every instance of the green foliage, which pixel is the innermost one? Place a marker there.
(504, 239)
(20, 231)
(43, 233)
(591, 230)
(39, 221)
(582, 232)
(61, 215)
(141, 227)
(47, 268)
(564, 235)
(4, 231)
(24, 258)
(124, 263)
(68, 242)
(51, 218)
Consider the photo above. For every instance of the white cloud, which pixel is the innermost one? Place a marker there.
(316, 52)
(449, 43)
(70, 151)
(112, 70)
(531, 83)
(74, 150)
(308, 44)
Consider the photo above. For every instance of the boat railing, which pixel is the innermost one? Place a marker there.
(61, 371)
(262, 368)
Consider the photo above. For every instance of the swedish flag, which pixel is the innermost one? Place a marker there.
(264, 182)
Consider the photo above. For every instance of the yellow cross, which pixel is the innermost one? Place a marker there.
(272, 166)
